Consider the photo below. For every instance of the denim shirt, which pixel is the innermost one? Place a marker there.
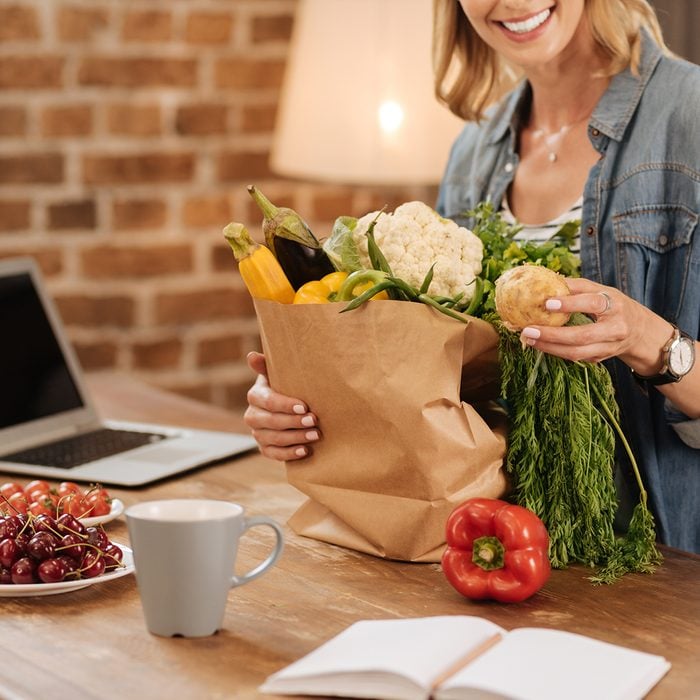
(639, 233)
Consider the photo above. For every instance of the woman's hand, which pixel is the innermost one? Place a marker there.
(282, 425)
(623, 328)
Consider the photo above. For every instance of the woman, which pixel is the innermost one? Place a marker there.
(601, 125)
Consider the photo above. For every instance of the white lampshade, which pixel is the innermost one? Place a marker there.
(358, 104)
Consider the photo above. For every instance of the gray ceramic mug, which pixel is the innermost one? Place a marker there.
(184, 556)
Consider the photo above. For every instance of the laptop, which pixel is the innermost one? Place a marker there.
(48, 424)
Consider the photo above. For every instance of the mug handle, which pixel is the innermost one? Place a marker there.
(254, 521)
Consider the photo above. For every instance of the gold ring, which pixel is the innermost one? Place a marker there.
(608, 303)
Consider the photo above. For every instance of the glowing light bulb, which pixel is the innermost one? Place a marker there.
(390, 116)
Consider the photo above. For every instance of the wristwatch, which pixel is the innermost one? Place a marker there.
(678, 359)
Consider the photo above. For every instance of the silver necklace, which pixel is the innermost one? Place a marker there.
(552, 139)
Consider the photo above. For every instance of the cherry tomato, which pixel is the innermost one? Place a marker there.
(43, 507)
(99, 503)
(17, 503)
(66, 487)
(10, 488)
(75, 504)
(37, 485)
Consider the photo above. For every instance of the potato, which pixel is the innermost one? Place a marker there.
(521, 293)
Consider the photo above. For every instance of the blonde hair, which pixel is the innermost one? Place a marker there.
(469, 75)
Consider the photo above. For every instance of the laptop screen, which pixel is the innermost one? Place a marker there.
(35, 378)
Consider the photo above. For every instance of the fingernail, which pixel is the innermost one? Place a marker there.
(300, 452)
(312, 435)
(531, 333)
(307, 421)
(552, 304)
(298, 408)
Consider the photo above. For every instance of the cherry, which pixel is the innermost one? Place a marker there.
(23, 571)
(9, 552)
(113, 556)
(52, 570)
(68, 524)
(22, 541)
(45, 523)
(10, 527)
(41, 546)
(72, 566)
(93, 564)
(5, 576)
(97, 536)
(73, 546)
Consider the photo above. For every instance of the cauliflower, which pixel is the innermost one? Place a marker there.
(413, 238)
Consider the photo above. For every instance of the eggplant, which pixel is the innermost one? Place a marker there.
(292, 242)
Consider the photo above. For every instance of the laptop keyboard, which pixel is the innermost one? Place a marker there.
(83, 448)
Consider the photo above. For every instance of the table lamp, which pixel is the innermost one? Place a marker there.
(357, 103)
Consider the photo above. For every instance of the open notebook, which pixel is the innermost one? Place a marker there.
(48, 424)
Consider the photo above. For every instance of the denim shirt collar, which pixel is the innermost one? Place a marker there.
(615, 108)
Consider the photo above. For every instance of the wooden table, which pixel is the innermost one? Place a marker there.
(92, 643)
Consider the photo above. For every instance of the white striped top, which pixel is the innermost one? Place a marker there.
(539, 233)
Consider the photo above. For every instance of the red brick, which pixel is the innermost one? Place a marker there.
(157, 355)
(199, 212)
(81, 23)
(147, 25)
(201, 119)
(73, 215)
(18, 23)
(111, 261)
(94, 356)
(243, 165)
(80, 310)
(138, 168)
(74, 120)
(139, 214)
(203, 305)
(221, 258)
(219, 351)
(13, 120)
(208, 28)
(31, 72)
(46, 168)
(14, 214)
(138, 72)
(243, 73)
(272, 28)
(259, 118)
(134, 120)
(50, 260)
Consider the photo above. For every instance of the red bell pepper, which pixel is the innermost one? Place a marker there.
(496, 550)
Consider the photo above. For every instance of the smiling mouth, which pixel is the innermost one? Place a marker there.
(529, 24)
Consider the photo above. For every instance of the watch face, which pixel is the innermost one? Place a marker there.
(681, 356)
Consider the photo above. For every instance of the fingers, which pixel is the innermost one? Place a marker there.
(256, 362)
(587, 298)
(282, 425)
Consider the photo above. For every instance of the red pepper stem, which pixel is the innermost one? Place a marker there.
(488, 553)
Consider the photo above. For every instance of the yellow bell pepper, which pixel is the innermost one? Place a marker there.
(325, 290)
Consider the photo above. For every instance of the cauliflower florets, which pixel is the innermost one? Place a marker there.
(414, 237)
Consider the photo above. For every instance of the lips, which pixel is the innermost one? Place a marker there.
(528, 25)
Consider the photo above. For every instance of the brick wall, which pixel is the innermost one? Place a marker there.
(128, 131)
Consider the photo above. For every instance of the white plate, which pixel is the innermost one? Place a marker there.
(24, 590)
(115, 512)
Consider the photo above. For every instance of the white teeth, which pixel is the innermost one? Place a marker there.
(529, 24)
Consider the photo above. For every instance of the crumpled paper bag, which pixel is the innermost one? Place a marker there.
(400, 448)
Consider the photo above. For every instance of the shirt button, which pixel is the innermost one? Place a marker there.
(663, 239)
(595, 133)
(508, 167)
(590, 230)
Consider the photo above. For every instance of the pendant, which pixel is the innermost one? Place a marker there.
(552, 157)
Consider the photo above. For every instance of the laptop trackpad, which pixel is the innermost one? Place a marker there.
(160, 455)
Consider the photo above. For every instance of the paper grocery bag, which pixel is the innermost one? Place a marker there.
(400, 449)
